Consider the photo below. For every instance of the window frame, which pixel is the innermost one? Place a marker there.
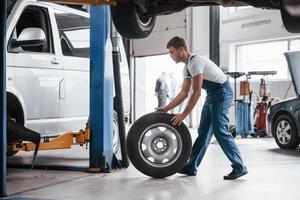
(49, 35)
(56, 12)
(238, 46)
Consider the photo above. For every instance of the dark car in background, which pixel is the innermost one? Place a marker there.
(284, 116)
(136, 18)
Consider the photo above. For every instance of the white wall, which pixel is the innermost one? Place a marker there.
(165, 28)
(246, 26)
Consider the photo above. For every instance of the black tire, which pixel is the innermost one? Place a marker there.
(161, 143)
(291, 23)
(12, 113)
(285, 132)
(116, 136)
(129, 21)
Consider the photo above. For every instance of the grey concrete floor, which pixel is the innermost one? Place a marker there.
(273, 174)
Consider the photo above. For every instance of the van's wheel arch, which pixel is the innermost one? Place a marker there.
(15, 113)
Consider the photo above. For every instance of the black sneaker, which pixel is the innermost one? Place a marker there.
(187, 171)
(234, 175)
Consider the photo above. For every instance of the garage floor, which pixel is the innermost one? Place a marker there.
(273, 174)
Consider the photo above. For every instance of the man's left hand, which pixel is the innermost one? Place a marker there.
(177, 119)
(161, 109)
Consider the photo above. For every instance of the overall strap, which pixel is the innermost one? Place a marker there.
(189, 74)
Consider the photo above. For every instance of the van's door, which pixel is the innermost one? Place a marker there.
(37, 71)
(74, 41)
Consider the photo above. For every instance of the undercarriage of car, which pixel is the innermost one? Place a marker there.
(136, 18)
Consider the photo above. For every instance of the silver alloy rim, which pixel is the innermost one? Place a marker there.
(160, 145)
(283, 132)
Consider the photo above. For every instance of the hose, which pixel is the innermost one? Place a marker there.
(118, 106)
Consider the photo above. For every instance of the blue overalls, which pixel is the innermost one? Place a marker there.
(215, 120)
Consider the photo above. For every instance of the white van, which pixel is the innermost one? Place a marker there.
(48, 66)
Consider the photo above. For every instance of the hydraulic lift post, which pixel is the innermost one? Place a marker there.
(3, 98)
(101, 91)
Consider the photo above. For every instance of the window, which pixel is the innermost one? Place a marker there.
(266, 56)
(74, 34)
(35, 17)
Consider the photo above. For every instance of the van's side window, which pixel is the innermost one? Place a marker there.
(74, 34)
(35, 17)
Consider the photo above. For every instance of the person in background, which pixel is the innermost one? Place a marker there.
(198, 73)
(174, 88)
(161, 90)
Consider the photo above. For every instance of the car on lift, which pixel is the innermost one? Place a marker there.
(47, 53)
(284, 116)
(136, 18)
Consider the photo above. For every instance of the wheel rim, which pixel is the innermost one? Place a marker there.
(283, 132)
(160, 145)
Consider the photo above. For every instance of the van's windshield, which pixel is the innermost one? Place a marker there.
(10, 5)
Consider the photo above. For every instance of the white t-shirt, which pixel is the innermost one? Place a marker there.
(210, 71)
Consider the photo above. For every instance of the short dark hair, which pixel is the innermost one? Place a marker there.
(176, 42)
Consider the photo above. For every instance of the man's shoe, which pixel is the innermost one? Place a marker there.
(234, 175)
(187, 171)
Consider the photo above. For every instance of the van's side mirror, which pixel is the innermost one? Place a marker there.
(29, 37)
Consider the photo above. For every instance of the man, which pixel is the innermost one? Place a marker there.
(203, 73)
(161, 90)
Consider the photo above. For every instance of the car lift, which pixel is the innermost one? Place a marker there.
(101, 93)
(2, 99)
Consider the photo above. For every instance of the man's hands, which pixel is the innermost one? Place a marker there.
(162, 109)
(177, 119)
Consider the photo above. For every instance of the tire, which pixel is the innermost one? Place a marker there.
(291, 23)
(12, 114)
(285, 132)
(156, 147)
(116, 137)
(129, 21)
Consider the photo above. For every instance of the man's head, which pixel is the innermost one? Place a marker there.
(177, 49)
(163, 75)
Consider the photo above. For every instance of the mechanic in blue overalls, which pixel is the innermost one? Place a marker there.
(200, 73)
